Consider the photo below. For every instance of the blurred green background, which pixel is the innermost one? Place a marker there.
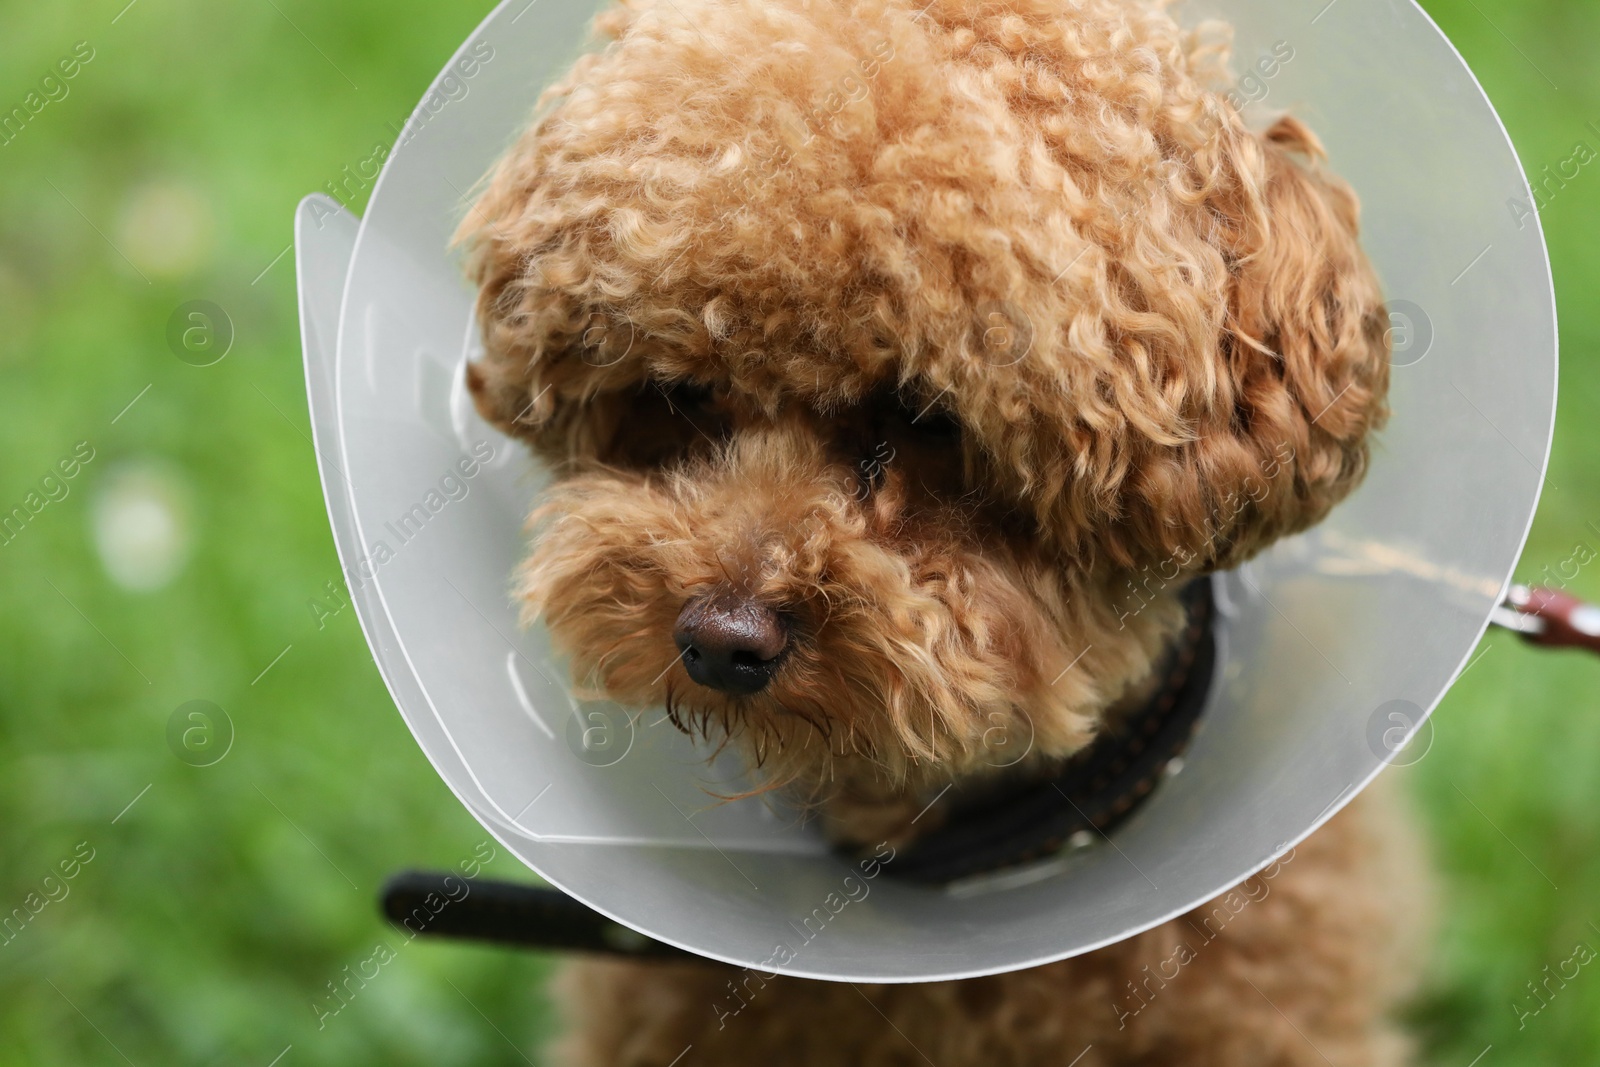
(184, 558)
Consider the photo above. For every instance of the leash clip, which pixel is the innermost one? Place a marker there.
(1550, 618)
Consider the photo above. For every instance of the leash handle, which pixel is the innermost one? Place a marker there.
(1550, 618)
(509, 913)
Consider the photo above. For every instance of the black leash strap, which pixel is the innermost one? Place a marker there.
(508, 913)
(1095, 791)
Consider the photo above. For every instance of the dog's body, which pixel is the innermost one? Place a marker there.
(898, 365)
(1297, 966)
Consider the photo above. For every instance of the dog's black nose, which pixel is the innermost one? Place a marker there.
(729, 642)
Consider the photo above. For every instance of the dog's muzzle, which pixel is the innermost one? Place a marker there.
(730, 643)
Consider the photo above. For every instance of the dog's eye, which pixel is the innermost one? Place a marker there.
(664, 423)
(684, 395)
(926, 420)
(911, 435)
(873, 466)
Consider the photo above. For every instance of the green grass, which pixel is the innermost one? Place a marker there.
(216, 908)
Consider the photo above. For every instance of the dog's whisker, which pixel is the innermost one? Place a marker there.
(671, 707)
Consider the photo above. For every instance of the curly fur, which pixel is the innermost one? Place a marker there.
(1288, 969)
(962, 335)
(1195, 295)
(917, 631)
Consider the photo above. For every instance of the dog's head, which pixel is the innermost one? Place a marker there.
(897, 363)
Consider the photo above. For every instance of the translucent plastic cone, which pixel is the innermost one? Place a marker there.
(1336, 643)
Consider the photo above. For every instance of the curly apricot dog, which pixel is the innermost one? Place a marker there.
(879, 349)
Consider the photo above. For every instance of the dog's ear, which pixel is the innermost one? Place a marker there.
(507, 383)
(545, 356)
(1305, 362)
(1311, 300)
(540, 343)
(554, 388)
(513, 385)
(497, 396)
